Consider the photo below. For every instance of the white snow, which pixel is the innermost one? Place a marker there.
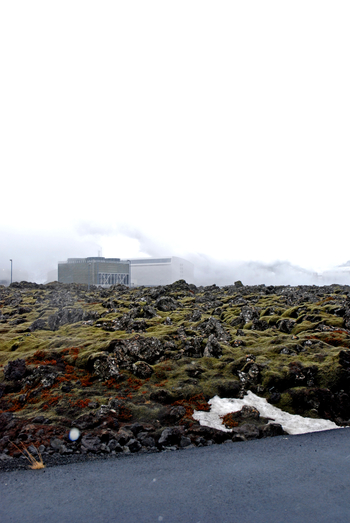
(291, 423)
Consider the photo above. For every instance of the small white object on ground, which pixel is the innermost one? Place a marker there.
(74, 434)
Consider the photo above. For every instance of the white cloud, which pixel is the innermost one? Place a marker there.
(216, 129)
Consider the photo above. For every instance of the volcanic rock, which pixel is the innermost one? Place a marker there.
(15, 370)
(136, 349)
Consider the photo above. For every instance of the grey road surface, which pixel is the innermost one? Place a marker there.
(299, 479)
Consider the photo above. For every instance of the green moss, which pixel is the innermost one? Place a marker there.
(271, 319)
(161, 331)
(273, 375)
(292, 312)
(175, 375)
(286, 403)
(147, 413)
(334, 321)
(304, 326)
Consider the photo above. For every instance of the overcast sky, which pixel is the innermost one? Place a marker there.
(210, 130)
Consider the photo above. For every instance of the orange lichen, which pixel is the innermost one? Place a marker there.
(134, 383)
(111, 383)
(48, 399)
(61, 379)
(80, 403)
(38, 354)
(125, 414)
(54, 400)
(85, 382)
(39, 358)
(329, 298)
(336, 338)
(74, 352)
(51, 402)
(197, 402)
(228, 421)
(16, 406)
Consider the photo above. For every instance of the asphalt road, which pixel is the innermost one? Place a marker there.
(299, 479)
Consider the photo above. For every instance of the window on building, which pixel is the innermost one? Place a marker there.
(112, 278)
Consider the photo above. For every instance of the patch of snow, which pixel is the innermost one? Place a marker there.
(291, 423)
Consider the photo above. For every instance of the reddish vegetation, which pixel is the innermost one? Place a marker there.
(85, 382)
(72, 351)
(134, 383)
(112, 384)
(38, 358)
(60, 379)
(228, 421)
(335, 341)
(124, 414)
(197, 402)
(79, 403)
(336, 338)
(329, 298)
(16, 405)
(51, 402)
(36, 394)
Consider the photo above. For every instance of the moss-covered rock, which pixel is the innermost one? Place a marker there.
(66, 350)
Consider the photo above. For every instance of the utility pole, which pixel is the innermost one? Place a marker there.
(11, 270)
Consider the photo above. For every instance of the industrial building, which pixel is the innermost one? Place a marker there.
(160, 271)
(94, 271)
(134, 272)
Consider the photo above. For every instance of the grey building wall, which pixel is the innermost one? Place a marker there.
(160, 271)
(94, 271)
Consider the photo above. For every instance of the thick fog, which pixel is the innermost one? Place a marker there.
(216, 132)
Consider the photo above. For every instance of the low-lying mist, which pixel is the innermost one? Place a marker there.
(209, 271)
(36, 256)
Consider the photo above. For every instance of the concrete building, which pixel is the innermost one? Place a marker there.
(135, 272)
(94, 271)
(160, 271)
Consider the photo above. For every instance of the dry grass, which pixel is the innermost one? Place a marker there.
(35, 464)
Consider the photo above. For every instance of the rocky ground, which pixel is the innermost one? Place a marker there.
(127, 367)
